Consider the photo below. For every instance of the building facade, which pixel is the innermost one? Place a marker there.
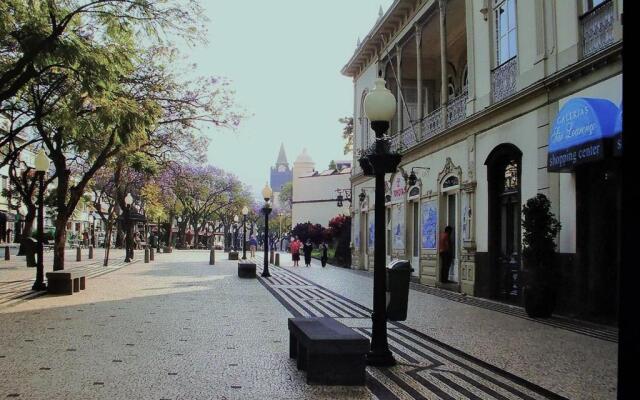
(315, 193)
(498, 100)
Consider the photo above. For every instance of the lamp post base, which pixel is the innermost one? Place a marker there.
(380, 359)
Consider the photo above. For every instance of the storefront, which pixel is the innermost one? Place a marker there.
(585, 143)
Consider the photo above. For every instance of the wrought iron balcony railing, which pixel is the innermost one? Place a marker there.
(503, 80)
(597, 28)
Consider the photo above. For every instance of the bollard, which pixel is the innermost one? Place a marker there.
(146, 255)
(78, 254)
(277, 262)
(7, 253)
(90, 252)
(151, 257)
(212, 256)
(271, 257)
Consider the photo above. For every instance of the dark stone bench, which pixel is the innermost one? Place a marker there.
(331, 353)
(246, 270)
(65, 282)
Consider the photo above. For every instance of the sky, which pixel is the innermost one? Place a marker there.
(283, 58)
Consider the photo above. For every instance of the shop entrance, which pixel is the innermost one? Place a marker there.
(504, 169)
(450, 191)
(598, 235)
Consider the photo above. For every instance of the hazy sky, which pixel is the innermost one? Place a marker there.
(284, 59)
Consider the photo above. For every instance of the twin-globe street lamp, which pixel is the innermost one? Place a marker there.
(379, 107)
(235, 232)
(245, 211)
(128, 201)
(42, 166)
(266, 194)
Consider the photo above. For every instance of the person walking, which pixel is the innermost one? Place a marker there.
(308, 247)
(253, 244)
(444, 248)
(324, 249)
(295, 251)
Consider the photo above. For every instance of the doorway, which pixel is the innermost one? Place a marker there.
(504, 171)
(452, 221)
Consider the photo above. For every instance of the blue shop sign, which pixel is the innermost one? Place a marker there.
(617, 142)
(578, 134)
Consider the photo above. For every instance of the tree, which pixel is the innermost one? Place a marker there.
(39, 36)
(286, 195)
(347, 133)
(332, 164)
(316, 232)
(340, 233)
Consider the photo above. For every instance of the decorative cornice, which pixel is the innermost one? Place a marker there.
(449, 168)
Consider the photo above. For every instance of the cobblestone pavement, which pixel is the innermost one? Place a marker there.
(178, 328)
(175, 328)
(567, 362)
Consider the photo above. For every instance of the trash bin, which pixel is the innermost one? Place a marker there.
(30, 247)
(398, 277)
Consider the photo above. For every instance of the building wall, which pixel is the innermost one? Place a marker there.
(315, 198)
(549, 47)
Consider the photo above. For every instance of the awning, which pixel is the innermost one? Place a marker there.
(579, 132)
(617, 142)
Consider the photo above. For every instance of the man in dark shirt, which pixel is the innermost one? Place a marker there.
(444, 247)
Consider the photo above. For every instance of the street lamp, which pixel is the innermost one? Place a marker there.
(128, 200)
(266, 194)
(340, 198)
(42, 166)
(235, 232)
(245, 211)
(92, 239)
(379, 106)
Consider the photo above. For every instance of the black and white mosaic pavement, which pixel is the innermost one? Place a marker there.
(427, 368)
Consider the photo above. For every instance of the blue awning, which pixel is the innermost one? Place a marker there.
(617, 143)
(579, 131)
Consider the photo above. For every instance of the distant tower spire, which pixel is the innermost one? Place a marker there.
(282, 157)
(358, 42)
(380, 13)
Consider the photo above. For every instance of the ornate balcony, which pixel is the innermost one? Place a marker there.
(503, 80)
(432, 124)
(457, 109)
(597, 28)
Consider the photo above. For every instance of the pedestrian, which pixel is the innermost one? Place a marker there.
(295, 251)
(308, 247)
(444, 247)
(323, 258)
(85, 239)
(136, 239)
(253, 244)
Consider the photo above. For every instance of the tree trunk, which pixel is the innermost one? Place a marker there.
(60, 242)
(107, 242)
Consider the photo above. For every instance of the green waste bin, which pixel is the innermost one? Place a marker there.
(398, 278)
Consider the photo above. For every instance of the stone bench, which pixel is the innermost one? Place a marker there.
(331, 353)
(65, 282)
(246, 270)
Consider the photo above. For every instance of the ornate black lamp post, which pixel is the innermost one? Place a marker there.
(42, 165)
(379, 106)
(266, 194)
(245, 211)
(128, 200)
(235, 232)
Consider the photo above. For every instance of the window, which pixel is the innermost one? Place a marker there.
(591, 4)
(506, 39)
(450, 182)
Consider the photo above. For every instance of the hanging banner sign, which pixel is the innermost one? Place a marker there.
(578, 133)
(398, 189)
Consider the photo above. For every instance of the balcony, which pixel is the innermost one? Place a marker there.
(503, 80)
(597, 28)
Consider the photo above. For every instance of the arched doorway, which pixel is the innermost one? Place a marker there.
(504, 165)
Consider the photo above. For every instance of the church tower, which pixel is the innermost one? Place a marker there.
(281, 174)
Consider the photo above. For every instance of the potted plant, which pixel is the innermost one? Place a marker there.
(540, 227)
